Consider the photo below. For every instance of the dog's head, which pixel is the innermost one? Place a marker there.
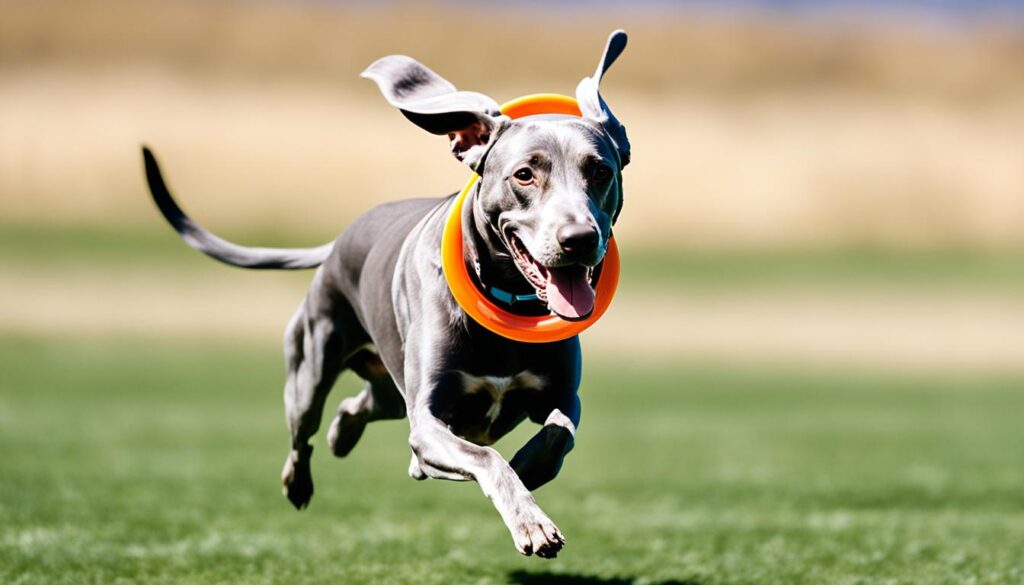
(550, 187)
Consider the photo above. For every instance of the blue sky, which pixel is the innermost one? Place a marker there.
(943, 9)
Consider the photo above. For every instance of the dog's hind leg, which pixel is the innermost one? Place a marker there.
(380, 399)
(319, 336)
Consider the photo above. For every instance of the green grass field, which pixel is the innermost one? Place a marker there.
(134, 461)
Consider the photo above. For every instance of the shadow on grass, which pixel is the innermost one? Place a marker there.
(545, 578)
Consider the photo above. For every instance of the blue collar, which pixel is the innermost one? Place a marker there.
(509, 298)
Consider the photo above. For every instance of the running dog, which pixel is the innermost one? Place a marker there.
(536, 227)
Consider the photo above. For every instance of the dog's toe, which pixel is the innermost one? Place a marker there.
(538, 535)
(549, 548)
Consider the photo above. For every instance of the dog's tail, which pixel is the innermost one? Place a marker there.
(220, 249)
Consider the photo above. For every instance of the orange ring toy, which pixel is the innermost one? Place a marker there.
(543, 329)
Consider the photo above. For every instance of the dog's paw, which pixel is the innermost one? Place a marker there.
(297, 478)
(346, 429)
(535, 533)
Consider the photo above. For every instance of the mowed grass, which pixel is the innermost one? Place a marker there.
(141, 462)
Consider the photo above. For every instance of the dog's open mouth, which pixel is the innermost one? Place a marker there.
(567, 290)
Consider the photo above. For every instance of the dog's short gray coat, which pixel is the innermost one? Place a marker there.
(379, 305)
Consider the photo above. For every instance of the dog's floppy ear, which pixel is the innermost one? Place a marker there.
(594, 107)
(471, 120)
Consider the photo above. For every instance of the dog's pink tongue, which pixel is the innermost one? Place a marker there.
(569, 292)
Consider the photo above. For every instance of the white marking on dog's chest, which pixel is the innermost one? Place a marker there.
(497, 386)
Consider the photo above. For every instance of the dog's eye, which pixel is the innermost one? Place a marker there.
(602, 173)
(523, 175)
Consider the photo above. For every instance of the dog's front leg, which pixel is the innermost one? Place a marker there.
(442, 455)
(540, 459)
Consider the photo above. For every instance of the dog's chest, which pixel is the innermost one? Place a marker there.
(481, 409)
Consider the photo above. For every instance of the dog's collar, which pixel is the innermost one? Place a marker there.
(508, 298)
(499, 294)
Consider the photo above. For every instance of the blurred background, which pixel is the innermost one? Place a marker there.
(816, 354)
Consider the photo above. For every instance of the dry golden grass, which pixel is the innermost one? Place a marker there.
(494, 45)
(747, 132)
(805, 170)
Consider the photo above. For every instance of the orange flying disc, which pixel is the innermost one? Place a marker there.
(543, 329)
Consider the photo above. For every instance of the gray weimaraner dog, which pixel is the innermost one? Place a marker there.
(535, 229)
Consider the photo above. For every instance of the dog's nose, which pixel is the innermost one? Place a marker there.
(577, 238)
